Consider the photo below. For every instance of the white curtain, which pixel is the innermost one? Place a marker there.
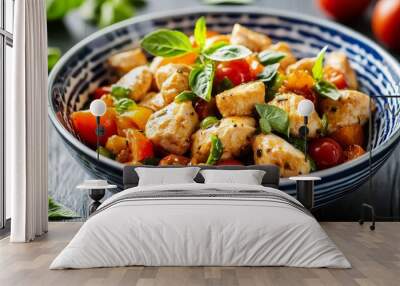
(26, 121)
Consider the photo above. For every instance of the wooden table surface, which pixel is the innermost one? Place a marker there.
(65, 173)
(375, 258)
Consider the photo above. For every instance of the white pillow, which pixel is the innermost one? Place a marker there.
(166, 176)
(248, 177)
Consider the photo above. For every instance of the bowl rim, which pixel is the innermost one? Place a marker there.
(221, 9)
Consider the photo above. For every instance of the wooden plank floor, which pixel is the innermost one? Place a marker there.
(375, 257)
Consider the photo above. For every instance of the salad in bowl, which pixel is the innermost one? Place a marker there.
(227, 99)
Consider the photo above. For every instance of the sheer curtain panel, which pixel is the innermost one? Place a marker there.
(26, 121)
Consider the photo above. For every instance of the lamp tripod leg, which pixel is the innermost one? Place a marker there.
(362, 219)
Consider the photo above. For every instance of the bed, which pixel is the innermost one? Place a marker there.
(201, 224)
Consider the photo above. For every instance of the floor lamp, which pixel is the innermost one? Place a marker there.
(369, 205)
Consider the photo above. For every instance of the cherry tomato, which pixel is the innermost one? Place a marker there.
(205, 109)
(336, 77)
(237, 72)
(344, 10)
(146, 150)
(85, 125)
(100, 91)
(229, 162)
(309, 94)
(326, 152)
(386, 22)
(174, 160)
(352, 152)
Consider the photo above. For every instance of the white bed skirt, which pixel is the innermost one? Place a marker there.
(205, 231)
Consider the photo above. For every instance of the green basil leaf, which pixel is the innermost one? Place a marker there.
(57, 9)
(277, 118)
(268, 73)
(120, 91)
(57, 211)
(215, 151)
(138, 3)
(185, 96)
(153, 161)
(313, 165)
(324, 123)
(208, 122)
(214, 47)
(318, 68)
(200, 32)
(229, 53)
(298, 143)
(265, 126)
(327, 89)
(225, 84)
(105, 152)
(114, 11)
(201, 80)
(273, 86)
(166, 43)
(124, 104)
(270, 57)
(53, 55)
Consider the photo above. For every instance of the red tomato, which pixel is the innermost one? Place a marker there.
(344, 10)
(146, 150)
(308, 94)
(326, 152)
(229, 162)
(386, 22)
(336, 77)
(100, 91)
(85, 125)
(141, 147)
(237, 72)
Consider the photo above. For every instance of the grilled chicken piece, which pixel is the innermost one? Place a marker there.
(289, 102)
(284, 48)
(153, 100)
(138, 81)
(255, 41)
(241, 99)
(172, 79)
(339, 61)
(155, 64)
(234, 132)
(171, 127)
(272, 149)
(351, 108)
(125, 61)
(303, 64)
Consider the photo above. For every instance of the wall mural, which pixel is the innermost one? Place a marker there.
(223, 93)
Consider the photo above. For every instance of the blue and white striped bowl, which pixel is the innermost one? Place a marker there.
(83, 68)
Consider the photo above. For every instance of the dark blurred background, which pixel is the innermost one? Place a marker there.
(65, 173)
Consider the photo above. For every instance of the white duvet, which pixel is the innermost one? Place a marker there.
(207, 230)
